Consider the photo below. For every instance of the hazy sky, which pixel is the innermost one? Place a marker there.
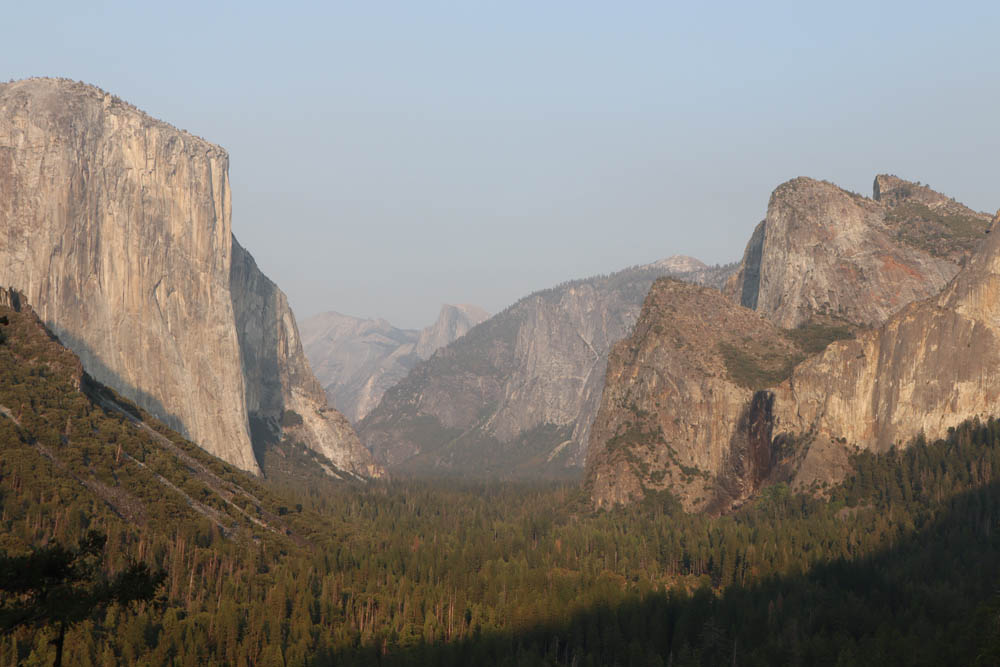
(386, 157)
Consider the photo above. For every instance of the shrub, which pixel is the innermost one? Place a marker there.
(290, 418)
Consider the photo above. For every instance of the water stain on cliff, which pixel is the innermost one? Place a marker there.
(751, 457)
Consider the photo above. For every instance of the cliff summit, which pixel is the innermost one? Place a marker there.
(823, 253)
(852, 323)
(117, 228)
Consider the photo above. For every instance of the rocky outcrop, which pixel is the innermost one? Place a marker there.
(452, 323)
(357, 359)
(929, 221)
(117, 227)
(282, 394)
(516, 395)
(10, 298)
(930, 367)
(823, 253)
(710, 403)
(680, 410)
(678, 264)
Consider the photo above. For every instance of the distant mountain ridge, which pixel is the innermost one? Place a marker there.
(357, 359)
(515, 396)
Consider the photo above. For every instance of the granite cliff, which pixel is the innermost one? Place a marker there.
(356, 359)
(516, 395)
(823, 253)
(681, 408)
(929, 367)
(712, 400)
(117, 228)
(452, 323)
(282, 394)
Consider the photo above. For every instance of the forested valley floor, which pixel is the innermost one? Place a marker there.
(900, 564)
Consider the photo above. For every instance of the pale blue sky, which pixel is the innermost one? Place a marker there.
(387, 157)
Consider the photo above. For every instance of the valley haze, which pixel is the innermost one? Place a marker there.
(502, 334)
(474, 154)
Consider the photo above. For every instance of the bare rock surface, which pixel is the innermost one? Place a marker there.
(282, 394)
(517, 394)
(452, 323)
(711, 400)
(929, 367)
(671, 406)
(117, 228)
(824, 252)
(357, 359)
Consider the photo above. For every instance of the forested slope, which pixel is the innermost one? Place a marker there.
(895, 566)
(76, 457)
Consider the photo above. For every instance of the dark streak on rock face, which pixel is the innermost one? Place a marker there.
(751, 455)
(751, 271)
(759, 428)
(11, 298)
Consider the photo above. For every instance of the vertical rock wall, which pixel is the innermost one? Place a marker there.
(278, 377)
(676, 412)
(116, 227)
(929, 367)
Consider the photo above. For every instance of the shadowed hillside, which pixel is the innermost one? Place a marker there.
(892, 569)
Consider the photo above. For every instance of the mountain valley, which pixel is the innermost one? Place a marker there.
(515, 396)
(791, 459)
(411, 574)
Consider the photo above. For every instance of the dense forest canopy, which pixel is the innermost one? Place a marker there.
(897, 565)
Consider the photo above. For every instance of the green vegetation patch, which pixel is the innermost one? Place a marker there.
(635, 434)
(939, 234)
(291, 418)
(756, 366)
(813, 338)
(760, 364)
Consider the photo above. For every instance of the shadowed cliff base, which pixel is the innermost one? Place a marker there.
(104, 375)
(286, 462)
(928, 599)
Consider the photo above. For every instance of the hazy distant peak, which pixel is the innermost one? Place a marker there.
(471, 311)
(678, 264)
(332, 317)
(357, 359)
(452, 323)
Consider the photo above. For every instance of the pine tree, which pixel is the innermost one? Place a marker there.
(60, 587)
